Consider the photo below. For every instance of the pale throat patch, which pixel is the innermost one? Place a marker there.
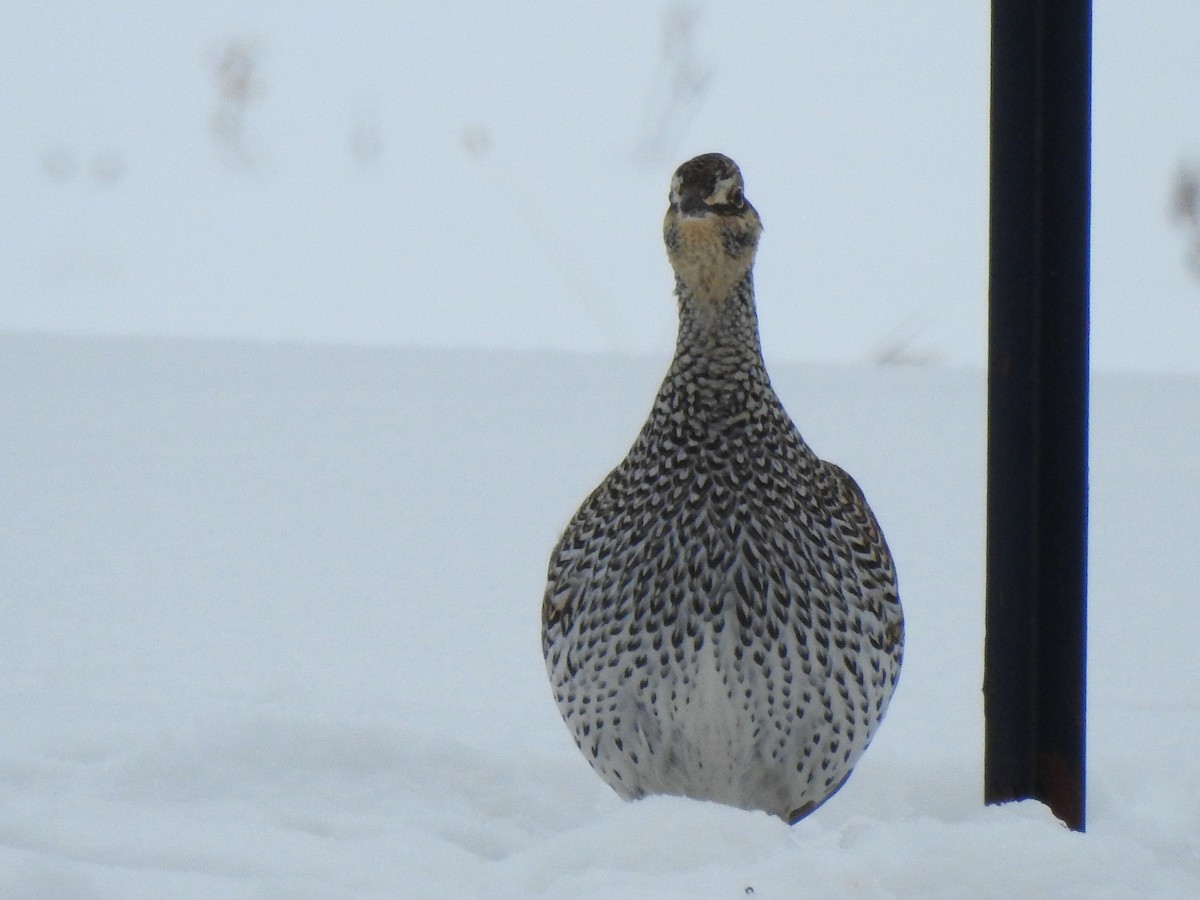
(701, 262)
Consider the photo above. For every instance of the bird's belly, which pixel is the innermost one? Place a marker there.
(724, 722)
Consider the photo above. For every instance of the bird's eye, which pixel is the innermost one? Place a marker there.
(736, 198)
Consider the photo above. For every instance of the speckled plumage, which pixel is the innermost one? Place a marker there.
(721, 618)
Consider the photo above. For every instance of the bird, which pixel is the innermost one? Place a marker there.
(721, 619)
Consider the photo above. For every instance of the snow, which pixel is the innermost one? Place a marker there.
(271, 631)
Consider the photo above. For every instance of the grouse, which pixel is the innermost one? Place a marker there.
(721, 619)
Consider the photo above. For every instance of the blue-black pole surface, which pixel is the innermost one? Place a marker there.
(1035, 647)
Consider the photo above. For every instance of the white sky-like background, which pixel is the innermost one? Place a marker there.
(477, 174)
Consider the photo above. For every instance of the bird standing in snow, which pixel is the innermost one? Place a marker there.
(721, 618)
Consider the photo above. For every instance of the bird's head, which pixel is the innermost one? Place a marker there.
(711, 230)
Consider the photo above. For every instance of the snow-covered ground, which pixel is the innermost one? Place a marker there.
(271, 631)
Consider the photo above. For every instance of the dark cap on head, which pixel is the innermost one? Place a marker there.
(700, 174)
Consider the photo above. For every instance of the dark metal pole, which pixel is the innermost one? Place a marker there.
(1035, 650)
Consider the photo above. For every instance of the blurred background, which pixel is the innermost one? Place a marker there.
(494, 175)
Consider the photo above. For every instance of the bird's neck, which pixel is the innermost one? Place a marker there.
(718, 337)
(717, 378)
